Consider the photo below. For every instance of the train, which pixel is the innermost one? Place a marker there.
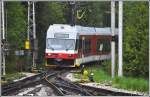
(72, 46)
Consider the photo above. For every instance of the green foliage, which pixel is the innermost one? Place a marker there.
(15, 33)
(16, 24)
(13, 76)
(96, 14)
(135, 84)
(136, 39)
(129, 83)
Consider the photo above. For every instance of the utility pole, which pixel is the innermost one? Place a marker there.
(31, 35)
(0, 36)
(113, 41)
(149, 40)
(3, 39)
(73, 12)
(120, 63)
(34, 38)
(0, 44)
(28, 31)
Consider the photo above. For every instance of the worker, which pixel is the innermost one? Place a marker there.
(82, 69)
(85, 75)
(91, 77)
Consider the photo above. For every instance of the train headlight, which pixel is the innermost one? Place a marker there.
(49, 54)
(69, 55)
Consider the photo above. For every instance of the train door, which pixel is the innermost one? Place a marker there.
(83, 46)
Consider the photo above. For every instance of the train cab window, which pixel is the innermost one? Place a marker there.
(60, 44)
(103, 46)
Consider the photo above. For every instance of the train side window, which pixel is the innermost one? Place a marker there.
(99, 46)
(103, 46)
(107, 45)
(87, 47)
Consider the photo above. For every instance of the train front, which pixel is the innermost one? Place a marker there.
(61, 46)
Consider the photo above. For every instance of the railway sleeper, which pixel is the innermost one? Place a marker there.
(74, 89)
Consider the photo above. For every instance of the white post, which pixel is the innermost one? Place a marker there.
(3, 60)
(34, 26)
(120, 71)
(28, 32)
(113, 42)
(3, 21)
(34, 33)
(3, 37)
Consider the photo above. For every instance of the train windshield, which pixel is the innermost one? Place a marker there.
(60, 44)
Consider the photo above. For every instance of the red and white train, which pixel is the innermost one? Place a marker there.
(71, 46)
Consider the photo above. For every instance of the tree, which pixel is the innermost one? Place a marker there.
(16, 24)
(16, 31)
(136, 38)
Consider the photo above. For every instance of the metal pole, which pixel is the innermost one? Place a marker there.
(120, 72)
(3, 56)
(0, 36)
(28, 36)
(28, 31)
(3, 21)
(113, 42)
(0, 43)
(149, 43)
(34, 26)
(34, 34)
(3, 38)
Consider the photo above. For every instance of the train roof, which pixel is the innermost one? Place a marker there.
(81, 30)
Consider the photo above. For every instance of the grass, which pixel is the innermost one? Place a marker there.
(135, 84)
(13, 76)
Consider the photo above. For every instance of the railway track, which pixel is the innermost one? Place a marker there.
(27, 82)
(13, 86)
(60, 85)
(64, 87)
